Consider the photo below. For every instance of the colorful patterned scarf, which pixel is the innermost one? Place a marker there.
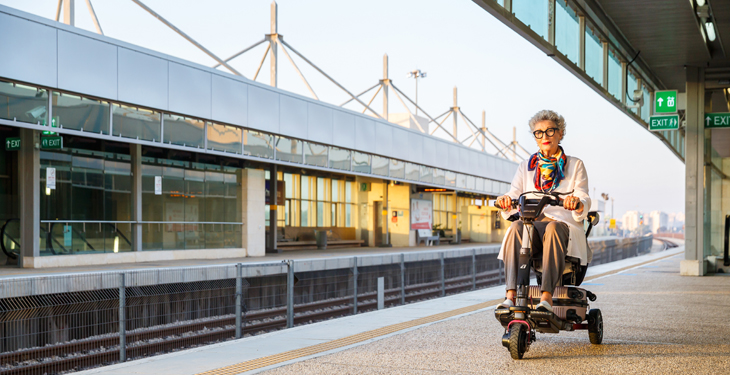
(551, 170)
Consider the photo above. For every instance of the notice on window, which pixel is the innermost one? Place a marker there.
(158, 185)
(51, 178)
(421, 214)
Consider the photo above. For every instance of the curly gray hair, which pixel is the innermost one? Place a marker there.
(548, 115)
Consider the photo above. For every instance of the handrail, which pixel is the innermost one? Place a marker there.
(9, 254)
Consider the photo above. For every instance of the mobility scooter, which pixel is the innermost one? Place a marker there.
(570, 303)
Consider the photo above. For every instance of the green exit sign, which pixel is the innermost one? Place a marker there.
(54, 124)
(12, 144)
(717, 120)
(665, 101)
(658, 123)
(52, 143)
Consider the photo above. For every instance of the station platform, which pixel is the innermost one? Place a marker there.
(651, 317)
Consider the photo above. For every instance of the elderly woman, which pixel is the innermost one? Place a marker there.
(559, 229)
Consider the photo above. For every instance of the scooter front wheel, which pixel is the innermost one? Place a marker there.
(518, 335)
(595, 326)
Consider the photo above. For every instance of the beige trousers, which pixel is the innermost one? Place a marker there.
(549, 241)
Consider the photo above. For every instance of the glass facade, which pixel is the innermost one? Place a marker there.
(340, 158)
(135, 123)
(258, 144)
(614, 75)
(183, 131)
(566, 31)
(23, 103)
(594, 56)
(80, 113)
(534, 14)
(360, 162)
(630, 87)
(646, 108)
(315, 154)
(380, 165)
(289, 149)
(224, 138)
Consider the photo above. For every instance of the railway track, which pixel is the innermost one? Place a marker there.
(93, 352)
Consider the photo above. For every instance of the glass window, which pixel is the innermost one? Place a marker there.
(288, 149)
(630, 87)
(339, 158)
(380, 165)
(136, 123)
(450, 178)
(23, 103)
(479, 184)
(646, 108)
(307, 187)
(397, 168)
(183, 131)
(594, 56)
(413, 171)
(224, 138)
(79, 113)
(460, 180)
(258, 144)
(439, 176)
(471, 182)
(533, 13)
(360, 162)
(315, 154)
(566, 31)
(426, 174)
(614, 75)
(336, 186)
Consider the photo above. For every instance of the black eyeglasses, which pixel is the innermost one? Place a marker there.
(539, 133)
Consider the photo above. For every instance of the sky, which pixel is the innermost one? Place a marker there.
(456, 42)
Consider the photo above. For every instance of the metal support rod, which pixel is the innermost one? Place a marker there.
(354, 285)
(468, 127)
(551, 22)
(605, 65)
(290, 294)
(239, 298)
(189, 39)
(424, 112)
(486, 132)
(473, 269)
(373, 98)
(403, 276)
(624, 81)
(413, 118)
(122, 319)
(441, 273)
(381, 293)
(58, 10)
(726, 250)
(301, 75)
(274, 58)
(362, 93)
(93, 17)
(241, 52)
(69, 12)
(386, 80)
(484, 129)
(455, 109)
(263, 59)
(582, 42)
(328, 77)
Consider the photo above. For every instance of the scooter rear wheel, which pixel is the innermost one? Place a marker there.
(595, 326)
(517, 340)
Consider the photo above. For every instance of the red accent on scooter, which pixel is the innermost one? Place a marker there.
(580, 326)
(529, 329)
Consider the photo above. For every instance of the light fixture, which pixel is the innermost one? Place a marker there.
(710, 28)
(116, 244)
(48, 191)
(700, 2)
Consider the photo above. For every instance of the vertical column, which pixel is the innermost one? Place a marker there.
(484, 131)
(290, 294)
(638, 103)
(68, 12)
(605, 65)
(402, 279)
(354, 285)
(239, 299)
(253, 203)
(386, 214)
(508, 5)
(694, 264)
(30, 198)
(442, 274)
(273, 58)
(551, 22)
(454, 113)
(122, 319)
(582, 42)
(273, 222)
(385, 83)
(135, 151)
(624, 83)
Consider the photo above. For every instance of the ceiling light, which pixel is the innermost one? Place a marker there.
(700, 2)
(710, 28)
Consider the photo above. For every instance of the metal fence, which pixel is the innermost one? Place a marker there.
(53, 324)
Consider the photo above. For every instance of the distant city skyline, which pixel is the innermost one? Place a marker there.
(458, 45)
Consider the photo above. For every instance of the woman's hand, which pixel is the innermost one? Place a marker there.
(572, 203)
(505, 202)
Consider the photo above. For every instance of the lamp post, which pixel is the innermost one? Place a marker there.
(416, 74)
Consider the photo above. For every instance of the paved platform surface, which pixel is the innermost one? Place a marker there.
(656, 322)
(14, 271)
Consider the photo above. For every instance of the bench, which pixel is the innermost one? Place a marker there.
(304, 238)
(426, 236)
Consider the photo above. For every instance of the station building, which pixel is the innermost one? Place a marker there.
(115, 153)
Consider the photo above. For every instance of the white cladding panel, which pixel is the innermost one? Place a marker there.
(364, 134)
(263, 109)
(454, 157)
(383, 139)
(27, 51)
(415, 147)
(319, 127)
(464, 160)
(189, 90)
(401, 148)
(429, 151)
(293, 117)
(230, 101)
(142, 79)
(343, 132)
(87, 65)
(473, 163)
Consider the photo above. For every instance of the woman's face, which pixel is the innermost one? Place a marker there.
(548, 145)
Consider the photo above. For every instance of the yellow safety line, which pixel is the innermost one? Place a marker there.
(364, 336)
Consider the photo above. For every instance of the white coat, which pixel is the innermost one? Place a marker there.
(576, 180)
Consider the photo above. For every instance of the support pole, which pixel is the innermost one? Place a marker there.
(582, 42)
(551, 22)
(94, 18)
(69, 12)
(473, 269)
(273, 60)
(290, 294)
(484, 131)
(385, 84)
(273, 205)
(403, 277)
(135, 151)
(239, 299)
(122, 318)
(381, 293)
(605, 65)
(442, 275)
(30, 198)
(455, 109)
(354, 285)
(386, 211)
(624, 81)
